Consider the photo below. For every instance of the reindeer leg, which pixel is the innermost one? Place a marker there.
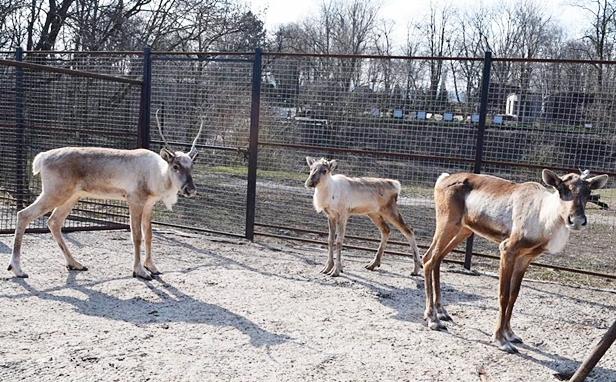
(395, 218)
(136, 212)
(146, 226)
(506, 268)
(441, 245)
(41, 205)
(462, 235)
(381, 224)
(55, 222)
(330, 245)
(521, 265)
(340, 229)
(430, 313)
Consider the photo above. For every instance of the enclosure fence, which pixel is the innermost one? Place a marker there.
(408, 118)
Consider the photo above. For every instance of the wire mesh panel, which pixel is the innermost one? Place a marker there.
(557, 115)
(45, 109)
(215, 90)
(412, 119)
(378, 117)
(8, 178)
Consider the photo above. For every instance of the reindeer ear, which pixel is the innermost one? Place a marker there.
(597, 182)
(167, 155)
(550, 178)
(310, 160)
(332, 164)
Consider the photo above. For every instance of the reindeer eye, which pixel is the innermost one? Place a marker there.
(323, 171)
(176, 167)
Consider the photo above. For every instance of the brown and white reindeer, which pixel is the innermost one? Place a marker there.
(525, 219)
(340, 197)
(140, 177)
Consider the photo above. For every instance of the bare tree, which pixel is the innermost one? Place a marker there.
(434, 33)
(129, 24)
(601, 33)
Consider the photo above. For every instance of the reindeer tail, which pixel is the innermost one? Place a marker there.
(37, 163)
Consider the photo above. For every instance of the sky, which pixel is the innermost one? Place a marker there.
(279, 12)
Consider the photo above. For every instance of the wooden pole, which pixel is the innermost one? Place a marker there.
(594, 356)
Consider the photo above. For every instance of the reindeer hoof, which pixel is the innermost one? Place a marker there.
(74, 268)
(372, 266)
(19, 274)
(436, 325)
(155, 272)
(514, 339)
(147, 277)
(508, 347)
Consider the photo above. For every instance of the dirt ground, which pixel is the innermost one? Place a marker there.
(227, 309)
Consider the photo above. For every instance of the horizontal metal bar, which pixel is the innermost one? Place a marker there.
(368, 56)
(82, 53)
(196, 53)
(364, 152)
(421, 157)
(492, 257)
(201, 146)
(51, 129)
(280, 54)
(107, 227)
(79, 73)
(201, 59)
(192, 228)
(304, 240)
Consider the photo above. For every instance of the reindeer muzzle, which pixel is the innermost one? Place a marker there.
(577, 222)
(189, 190)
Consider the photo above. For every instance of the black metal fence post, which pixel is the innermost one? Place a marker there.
(483, 111)
(20, 149)
(143, 138)
(253, 145)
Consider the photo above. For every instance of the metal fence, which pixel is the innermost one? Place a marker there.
(58, 99)
(405, 118)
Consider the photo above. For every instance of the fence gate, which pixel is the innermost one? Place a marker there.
(218, 90)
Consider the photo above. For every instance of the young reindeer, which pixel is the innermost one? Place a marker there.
(524, 218)
(340, 197)
(140, 177)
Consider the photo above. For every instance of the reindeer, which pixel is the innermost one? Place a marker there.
(140, 177)
(340, 197)
(525, 219)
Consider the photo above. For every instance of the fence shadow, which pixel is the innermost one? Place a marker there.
(173, 306)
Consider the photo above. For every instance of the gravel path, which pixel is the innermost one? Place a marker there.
(229, 310)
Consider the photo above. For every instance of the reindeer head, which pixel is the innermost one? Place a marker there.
(319, 170)
(180, 164)
(574, 191)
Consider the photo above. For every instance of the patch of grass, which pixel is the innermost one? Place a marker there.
(608, 195)
(243, 171)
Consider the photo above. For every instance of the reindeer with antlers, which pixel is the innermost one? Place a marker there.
(140, 177)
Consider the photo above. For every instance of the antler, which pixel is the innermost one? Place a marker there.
(160, 130)
(193, 149)
(584, 174)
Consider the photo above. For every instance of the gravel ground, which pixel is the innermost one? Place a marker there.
(226, 309)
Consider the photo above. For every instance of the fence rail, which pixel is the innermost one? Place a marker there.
(409, 118)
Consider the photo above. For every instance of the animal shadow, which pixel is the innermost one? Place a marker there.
(173, 305)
